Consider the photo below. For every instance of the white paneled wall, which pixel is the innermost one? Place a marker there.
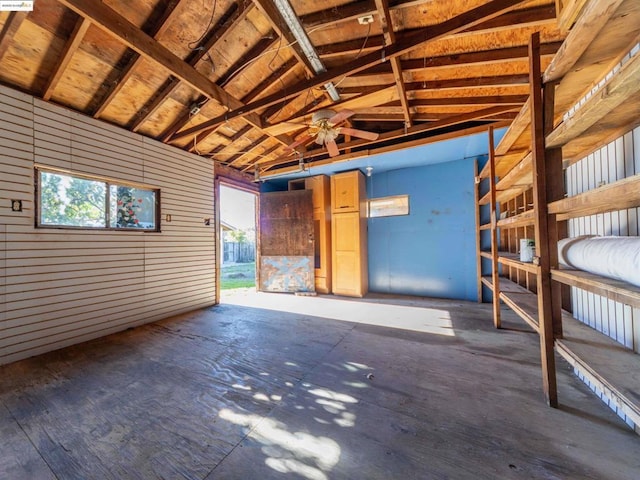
(59, 287)
(615, 161)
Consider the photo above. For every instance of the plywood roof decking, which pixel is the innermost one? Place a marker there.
(422, 68)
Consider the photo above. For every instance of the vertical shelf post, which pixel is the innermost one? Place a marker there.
(476, 193)
(495, 277)
(555, 191)
(545, 314)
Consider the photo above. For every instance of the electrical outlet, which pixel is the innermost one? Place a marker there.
(365, 19)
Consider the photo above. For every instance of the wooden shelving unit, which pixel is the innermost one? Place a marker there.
(589, 95)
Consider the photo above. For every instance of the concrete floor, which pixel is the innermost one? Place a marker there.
(242, 391)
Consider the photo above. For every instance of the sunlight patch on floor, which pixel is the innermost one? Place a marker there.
(306, 455)
(417, 319)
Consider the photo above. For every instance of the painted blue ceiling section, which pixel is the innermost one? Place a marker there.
(471, 146)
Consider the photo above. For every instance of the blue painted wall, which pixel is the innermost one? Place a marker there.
(432, 250)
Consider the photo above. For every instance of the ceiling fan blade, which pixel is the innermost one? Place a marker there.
(354, 132)
(341, 116)
(332, 148)
(301, 141)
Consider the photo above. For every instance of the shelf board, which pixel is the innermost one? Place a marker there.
(519, 126)
(611, 367)
(521, 301)
(513, 260)
(613, 108)
(614, 196)
(518, 179)
(521, 220)
(486, 281)
(614, 289)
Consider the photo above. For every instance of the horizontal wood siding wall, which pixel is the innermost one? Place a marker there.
(59, 287)
(614, 161)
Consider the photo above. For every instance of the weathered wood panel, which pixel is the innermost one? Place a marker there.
(58, 286)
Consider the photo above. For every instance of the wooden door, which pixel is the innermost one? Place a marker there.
(286, 242)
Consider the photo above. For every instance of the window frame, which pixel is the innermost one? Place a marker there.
(108, 182)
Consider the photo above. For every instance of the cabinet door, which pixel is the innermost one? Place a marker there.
(319, 185)
(347, 261)
(345, 194)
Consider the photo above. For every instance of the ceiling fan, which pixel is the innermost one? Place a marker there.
(325, 128)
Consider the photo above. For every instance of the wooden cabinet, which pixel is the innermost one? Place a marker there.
(321, 199)
(346, 192)
(349, 234)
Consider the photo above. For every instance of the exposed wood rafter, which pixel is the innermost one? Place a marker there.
(119, 27)
(81, 27)
(458, 23)
(230, 18)
(135, 60)
(390, 38)
(9, 29)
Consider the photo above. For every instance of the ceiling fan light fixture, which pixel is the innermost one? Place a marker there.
(324, 114)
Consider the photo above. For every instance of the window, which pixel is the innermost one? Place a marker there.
(80, 202)
(389, 206)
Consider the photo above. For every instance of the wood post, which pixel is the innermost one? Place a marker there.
(545, 313)
(495, 277)
(555, 191)
(476, 193)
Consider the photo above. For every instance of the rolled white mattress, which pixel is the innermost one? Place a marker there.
(611, 257)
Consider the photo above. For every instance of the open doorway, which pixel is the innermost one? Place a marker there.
(237, 240)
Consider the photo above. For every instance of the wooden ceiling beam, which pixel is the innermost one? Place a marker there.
(527, 16)
(497, 55)
(343, 13)
(277, 75)
(493, 81)
(519, 18)
(351, 12)
(79, 30)
(224, 25)
(236, 136)
(485, 56)
(263, 45)
(446, 61)
(380, 117)
(466, 101)
(236, 159)
(9, 29)
(119, 27)
(272, 113)
(455, 83)
(456, 24)
(351, 47)
(264, 154)
(156, 32)
(390, 38)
